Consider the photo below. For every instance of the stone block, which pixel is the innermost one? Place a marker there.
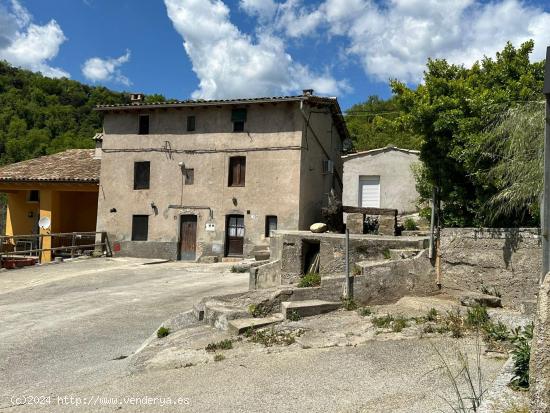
(209, 259)
(241, 325)
(308, 308)
(386, 225)
(354, 223)
(474, 299)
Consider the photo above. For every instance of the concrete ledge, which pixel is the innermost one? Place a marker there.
(308, 308)
(241, 325)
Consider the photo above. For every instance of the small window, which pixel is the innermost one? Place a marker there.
(237, 170)
(143, 124)
(190, 123)
(189, 176)
(328, 166)
(140, 227)
(141, 175)
(270, 225)
(238, 117)
(33, 196)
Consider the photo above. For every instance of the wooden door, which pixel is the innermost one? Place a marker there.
(188, 237)
(234, 232)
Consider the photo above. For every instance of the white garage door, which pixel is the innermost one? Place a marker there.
(369, 191)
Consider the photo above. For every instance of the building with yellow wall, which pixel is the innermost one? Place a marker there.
(63, 187)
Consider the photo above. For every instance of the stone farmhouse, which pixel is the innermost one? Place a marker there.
(201, 179)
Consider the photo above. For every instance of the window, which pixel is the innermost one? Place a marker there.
(237, 170)
(140, 227)
(238, 117)
(33, 196)
(270, 225)
(141, 175)
(143, 125)
(328, 166)
(189, 176)
(190, 123)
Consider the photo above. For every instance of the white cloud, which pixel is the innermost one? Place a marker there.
(96, 69)
(28, 45)
(264, 9)
(394, 38)
(230, 63)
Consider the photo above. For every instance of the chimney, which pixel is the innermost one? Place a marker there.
(136, 97)
(307, 92)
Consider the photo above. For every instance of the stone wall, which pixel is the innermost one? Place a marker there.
(539, 368)
(505, 260)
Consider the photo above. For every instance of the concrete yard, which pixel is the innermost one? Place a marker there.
(62, 326)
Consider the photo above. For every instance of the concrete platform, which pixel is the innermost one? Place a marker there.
(308, 308)
(241, 325)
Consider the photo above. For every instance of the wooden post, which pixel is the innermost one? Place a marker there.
(46, 206)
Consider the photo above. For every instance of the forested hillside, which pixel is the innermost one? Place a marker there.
(41, 115)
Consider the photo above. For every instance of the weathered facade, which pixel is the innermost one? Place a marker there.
(381, 178)
(212, 178)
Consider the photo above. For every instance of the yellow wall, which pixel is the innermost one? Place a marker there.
(78, 211)
(18, 221)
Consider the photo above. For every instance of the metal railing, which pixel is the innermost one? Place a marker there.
(65, 245)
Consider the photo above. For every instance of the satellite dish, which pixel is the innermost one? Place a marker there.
(44, 222)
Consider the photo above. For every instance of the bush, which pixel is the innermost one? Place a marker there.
(387, 254)
(383, 321)
(220, 345)
(163, 332)
(294, 316)
(410, 224)
(399, 323)
(219, 357)
(349, 304)
(310, 280)
(258, 310)
(477, 316)
(365, 311)
(522, 354)
(431, 315)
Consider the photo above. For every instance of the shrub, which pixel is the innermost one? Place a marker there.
(310, 280)
(258, 310)
(220, 345)
(410, 224)
(496, 331)
(477, 316)
(387, 254)
(431, 315)
(163, 332)
(294, 316)
(521, 352)
(219, 357)
(365, 311)
(383, 321)
(454, 323)
(357, 270)
(399, 323)
(349, 304)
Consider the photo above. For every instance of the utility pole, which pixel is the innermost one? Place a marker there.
(545, 213)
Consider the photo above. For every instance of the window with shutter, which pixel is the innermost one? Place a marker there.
(237, 170)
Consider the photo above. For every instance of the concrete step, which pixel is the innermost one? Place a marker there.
(240, 325)
(401, 254)
(308, 308)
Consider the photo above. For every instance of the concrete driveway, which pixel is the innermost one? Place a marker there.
(70, 325)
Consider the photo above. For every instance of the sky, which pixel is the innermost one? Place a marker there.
(214, 49)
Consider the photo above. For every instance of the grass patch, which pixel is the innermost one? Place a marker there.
(477, 316)
(387, 254)
(382, 321)
(365, 311)
(294, 316)
(349, 304)
(410, 224)
(357, 270)
(271, 337)
(399, 323)
(219, 357)
(431, 315)
(220, 345)
(163, 332)
(258, 310)
(310, 280)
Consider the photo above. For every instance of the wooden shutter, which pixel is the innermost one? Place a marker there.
(237, 171)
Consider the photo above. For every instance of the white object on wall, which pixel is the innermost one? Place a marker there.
(369, 191)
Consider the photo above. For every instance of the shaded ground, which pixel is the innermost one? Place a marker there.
(61, 326)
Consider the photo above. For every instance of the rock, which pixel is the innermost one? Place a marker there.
(318, 228)
(473, 299)
(354, 222)
(262, 255)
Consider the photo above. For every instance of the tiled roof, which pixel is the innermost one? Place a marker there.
(73, 165)
(203, 102)
(379, 150)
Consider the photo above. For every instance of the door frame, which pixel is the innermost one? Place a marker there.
(180, 238)
(226, 237)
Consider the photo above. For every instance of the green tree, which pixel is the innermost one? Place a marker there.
(453, 110)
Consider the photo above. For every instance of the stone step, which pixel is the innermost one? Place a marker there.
(240, 325)
(308, 308)
(401, 254)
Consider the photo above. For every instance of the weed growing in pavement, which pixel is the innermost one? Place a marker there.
(163, 332)
(258, 310)
(366, 311)
(294, 316)
(311, 279)
(219, 357)
(382, 321)
(270, 337)
(349, 304)
(220, 345)
(398, 324)
(521, 352)
(238, 269)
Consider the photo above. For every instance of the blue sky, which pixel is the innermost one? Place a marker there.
(239, 48)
